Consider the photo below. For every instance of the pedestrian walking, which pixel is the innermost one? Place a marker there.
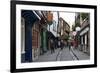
(52, 45)
(69, 44)
(61, 45)
(75, 44)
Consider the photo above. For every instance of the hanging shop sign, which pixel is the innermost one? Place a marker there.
(49, 17)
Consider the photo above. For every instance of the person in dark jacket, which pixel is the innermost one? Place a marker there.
(69, 44)
(52, 46)
(61, 45)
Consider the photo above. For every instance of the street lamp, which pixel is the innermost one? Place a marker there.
(77, 28)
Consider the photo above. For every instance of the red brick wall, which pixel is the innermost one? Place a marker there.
(35, 36)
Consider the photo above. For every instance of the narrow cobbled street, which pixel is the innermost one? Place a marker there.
(63, 55)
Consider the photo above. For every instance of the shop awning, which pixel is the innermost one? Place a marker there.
(30, 16)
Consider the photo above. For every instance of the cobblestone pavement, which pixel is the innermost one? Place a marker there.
(63, 55)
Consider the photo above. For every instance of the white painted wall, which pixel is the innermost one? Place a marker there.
(53, 27)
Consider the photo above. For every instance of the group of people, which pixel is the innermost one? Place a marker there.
(62, 45)
(53, 46)
(73, 44)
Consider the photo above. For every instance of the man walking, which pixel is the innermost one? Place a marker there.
(62, 45)
(52, 46)
(69, 44)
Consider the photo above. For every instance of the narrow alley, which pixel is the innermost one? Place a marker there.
(54, 36)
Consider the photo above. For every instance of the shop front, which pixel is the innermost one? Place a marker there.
(30, 18)
(85, 40)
